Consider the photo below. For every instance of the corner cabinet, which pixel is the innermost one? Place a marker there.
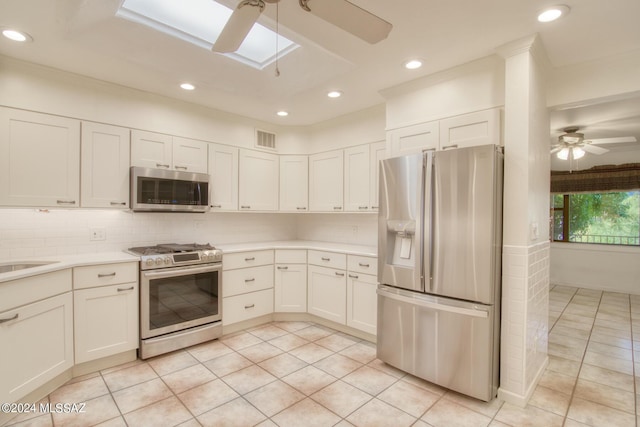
(104, 166)
(39, 159)
(223, 170)
(294, 183)
(161, 151)
(259, 181)
(326, 181)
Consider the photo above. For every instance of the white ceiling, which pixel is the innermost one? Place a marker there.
(84, 37)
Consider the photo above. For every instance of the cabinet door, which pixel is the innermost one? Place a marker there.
(327, 293)
(223, 170)
(259, 181)
(105, 321)
(378, 152)
(294, 183)
(326, 182)
(189, 155)
(37, 345)
(362, 302)
(151, 150)
(39, 159)
(414, 139)
(357, 179)
(105, 166)
(468, 130)
(291, 288)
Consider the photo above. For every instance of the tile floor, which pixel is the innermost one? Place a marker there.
(303, 374)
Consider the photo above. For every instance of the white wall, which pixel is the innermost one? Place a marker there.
(610, 268)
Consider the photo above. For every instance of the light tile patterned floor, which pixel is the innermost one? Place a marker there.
(303, 374)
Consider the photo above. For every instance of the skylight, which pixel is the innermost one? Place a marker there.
(200, 22)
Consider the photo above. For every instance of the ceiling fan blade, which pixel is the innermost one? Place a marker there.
(556, 149)
(350, 18)
(616, 140)
(593, 149)
(237, 27)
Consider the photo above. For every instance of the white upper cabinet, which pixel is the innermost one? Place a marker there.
(414, 139)
(223, 172)
(39, 159)
(378, 152)
(259, 181)
(467, 130)
(105, 166)
(326, 181)
(160, 151)
(357, 165)
(294, 183)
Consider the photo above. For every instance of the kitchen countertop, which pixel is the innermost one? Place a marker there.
(300, 244)
(61, 262)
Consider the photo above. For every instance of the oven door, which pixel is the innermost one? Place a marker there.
(173, 299)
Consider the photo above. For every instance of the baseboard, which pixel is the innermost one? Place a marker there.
(521, 400)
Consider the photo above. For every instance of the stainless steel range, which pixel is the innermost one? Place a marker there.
(180, 296)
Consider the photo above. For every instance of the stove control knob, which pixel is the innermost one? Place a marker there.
(158, 261)
(167, 261)
(149, 262)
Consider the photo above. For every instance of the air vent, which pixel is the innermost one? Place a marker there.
(265, 139)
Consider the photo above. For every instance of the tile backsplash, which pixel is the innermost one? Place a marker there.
(41, 232)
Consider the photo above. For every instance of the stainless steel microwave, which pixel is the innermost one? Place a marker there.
(160, 190)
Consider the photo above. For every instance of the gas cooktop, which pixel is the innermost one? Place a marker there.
(168, 255)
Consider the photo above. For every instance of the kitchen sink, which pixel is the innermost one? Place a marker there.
(9, 267)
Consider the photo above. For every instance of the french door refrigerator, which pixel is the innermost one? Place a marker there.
(439, 267)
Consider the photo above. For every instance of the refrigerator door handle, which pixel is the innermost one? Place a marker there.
(421, 302)
(427, 215)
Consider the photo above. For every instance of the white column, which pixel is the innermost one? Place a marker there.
(525, 261)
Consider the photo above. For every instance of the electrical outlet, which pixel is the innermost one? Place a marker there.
(97, 233)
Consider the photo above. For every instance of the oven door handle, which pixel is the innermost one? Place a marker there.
(171, 272)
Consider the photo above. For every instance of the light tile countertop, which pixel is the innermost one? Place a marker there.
(61, 262)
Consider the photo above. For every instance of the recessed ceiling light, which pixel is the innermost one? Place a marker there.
(413, 64)
(16, 36)
(187, 86)
(553, 13)
(282, 113)
(334, 94)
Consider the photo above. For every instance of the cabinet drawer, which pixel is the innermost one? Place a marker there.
(328, 259)
(247, 306)
(104, 274)
(15, 293)
(245, 280)
(362, 264)
(291, 256)
(246, 259)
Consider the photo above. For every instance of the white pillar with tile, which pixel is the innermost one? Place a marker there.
(525, 261)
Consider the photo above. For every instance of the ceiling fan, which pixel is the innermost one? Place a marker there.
(340, 13)
(572, 145)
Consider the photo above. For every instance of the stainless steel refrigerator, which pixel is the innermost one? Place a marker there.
(439, 267)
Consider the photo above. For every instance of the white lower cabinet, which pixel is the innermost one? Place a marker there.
(327, 293)
(362, 302)
(105, 309)
(291, 281)
(37, 345)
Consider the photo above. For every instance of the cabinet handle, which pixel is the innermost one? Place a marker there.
(362, 264)
(9, 319)
(446, 147)
(162, 165)
(353, 276)
(107, 274)
(250, 259)
(325, 259)
(249, 306)
(339, 274)
(117, 203)
(253, 279)
(337, 208)
(66, 202)
(216, 206)
(301, 208)
(283, 268)
(375, 207)
(180, 167)
(245, 207)
(125, 289)
(363, 207)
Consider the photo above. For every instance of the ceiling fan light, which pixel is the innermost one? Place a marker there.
(563, 154)
(577, 153)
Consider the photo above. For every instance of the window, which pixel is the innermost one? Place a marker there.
(606, 218)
